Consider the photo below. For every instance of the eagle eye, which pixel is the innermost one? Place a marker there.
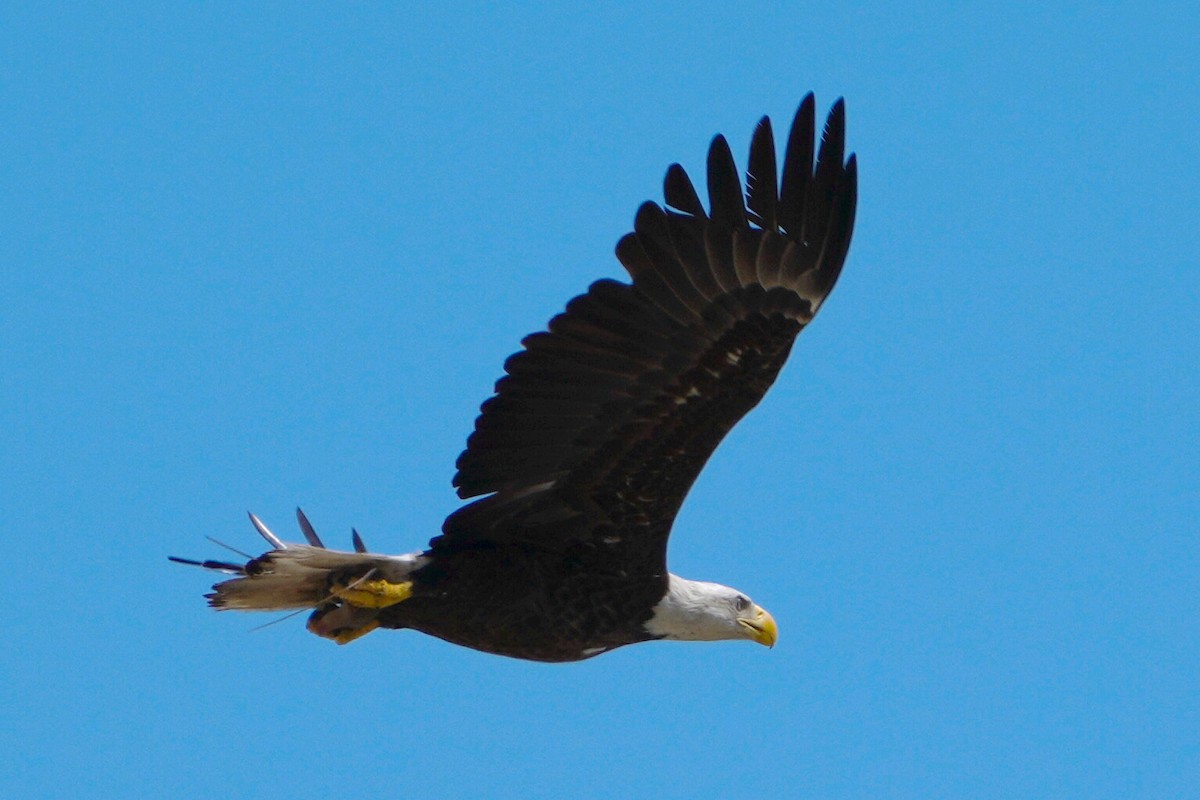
(742, 602)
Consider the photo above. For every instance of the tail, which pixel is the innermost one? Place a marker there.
(298, 576)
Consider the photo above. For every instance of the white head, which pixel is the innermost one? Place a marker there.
(706, 612)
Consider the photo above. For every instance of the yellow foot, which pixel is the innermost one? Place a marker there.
(348, 635)
(372, 594)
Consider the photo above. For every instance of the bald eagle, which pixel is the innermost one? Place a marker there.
(581, 459)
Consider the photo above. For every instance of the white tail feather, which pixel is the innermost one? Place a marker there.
(298, 577)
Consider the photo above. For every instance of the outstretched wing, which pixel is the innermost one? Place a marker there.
(602, 423)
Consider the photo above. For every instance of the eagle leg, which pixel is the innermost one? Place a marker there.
(364, 593)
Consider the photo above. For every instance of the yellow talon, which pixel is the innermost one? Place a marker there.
(374, 594)
(348, 635)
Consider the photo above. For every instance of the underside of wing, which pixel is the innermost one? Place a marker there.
(603, 422)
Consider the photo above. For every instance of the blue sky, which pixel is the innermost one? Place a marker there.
(271, 256)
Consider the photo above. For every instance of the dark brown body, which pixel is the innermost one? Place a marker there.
(522, 603)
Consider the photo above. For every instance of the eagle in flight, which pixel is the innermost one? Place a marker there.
(582, 457)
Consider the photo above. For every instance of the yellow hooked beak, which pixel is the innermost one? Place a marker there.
(760, 626)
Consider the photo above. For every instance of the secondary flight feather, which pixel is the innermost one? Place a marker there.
(582, 458)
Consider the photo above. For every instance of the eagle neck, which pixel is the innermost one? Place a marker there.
(691, 611)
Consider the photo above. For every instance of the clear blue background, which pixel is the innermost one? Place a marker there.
(255, 257)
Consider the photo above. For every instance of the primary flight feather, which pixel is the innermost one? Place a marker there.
(582, 457)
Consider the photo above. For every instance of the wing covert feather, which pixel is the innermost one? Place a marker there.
(603, 422)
